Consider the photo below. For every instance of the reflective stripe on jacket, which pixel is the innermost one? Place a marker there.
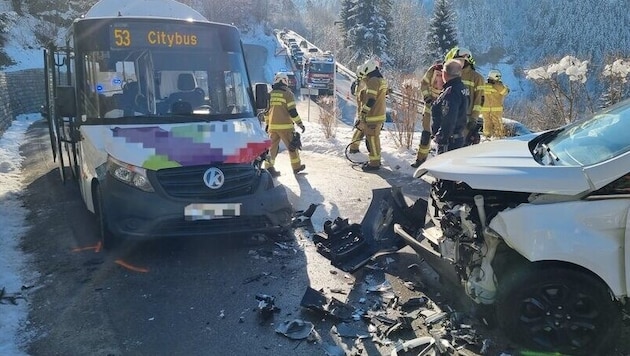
(280, 102)
(494, 94)
(475, 83)
(376, 88)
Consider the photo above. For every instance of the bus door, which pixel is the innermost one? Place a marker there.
(60, 109)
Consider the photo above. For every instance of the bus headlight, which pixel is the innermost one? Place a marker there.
(129, 174)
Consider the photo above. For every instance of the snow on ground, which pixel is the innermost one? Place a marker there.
(13, 264)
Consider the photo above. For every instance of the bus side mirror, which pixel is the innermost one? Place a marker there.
(262, 96)
(66, 101)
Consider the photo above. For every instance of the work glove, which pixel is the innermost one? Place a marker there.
(440, 139)
(301, 126)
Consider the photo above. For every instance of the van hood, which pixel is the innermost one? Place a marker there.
(175, 145)
(504, 165)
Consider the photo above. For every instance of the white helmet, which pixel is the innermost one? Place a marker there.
(281, 77)
(360, 73)
(368, 67)
(494, 75)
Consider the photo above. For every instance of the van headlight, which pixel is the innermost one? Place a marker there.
(129, 174)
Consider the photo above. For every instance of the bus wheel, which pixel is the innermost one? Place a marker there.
(108, 240)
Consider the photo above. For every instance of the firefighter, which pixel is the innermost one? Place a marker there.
(494, 94)
(475, 84)
(281, 118)
(372, 114)
(358, 90)
(450, 109)
(430, 88)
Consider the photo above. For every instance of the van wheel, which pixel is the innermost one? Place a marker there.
(108, 240)
(555, 308)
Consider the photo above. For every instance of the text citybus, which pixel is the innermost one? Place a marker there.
(153, 110)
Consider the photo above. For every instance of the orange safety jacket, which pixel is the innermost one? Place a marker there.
(375, 88)
(280, 102)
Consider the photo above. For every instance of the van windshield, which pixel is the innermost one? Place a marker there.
(591, 141)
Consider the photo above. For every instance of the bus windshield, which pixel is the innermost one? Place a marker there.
(162, 69)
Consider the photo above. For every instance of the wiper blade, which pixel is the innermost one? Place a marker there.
(553, 156)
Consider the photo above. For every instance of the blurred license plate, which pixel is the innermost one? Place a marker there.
(211, 211)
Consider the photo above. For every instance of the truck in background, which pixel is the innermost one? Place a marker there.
(319, 71)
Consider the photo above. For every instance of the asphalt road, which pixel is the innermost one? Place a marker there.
(188, 296)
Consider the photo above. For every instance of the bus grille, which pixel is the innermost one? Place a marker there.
(187, 182)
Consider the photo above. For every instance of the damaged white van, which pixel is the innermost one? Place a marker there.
(539, 227)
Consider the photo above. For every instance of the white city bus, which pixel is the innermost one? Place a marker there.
(153, 110)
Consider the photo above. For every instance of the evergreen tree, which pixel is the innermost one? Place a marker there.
(347, 20)
(442, 34)
(368, 35)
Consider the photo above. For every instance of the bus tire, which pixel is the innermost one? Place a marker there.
(108, 240)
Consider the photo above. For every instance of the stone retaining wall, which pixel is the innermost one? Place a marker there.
(21, 92)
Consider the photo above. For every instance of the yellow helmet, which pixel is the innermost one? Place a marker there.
(494, 75)
(459, 52)
(281, 77)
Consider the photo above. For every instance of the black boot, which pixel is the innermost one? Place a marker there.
(299, 169)
(273, 172)
(368, 168)
(418, 162)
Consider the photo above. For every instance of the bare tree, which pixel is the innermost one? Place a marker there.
(410, 25)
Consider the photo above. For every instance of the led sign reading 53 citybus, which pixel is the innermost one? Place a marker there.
(142, 35)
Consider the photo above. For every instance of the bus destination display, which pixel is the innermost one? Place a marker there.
(143, 35)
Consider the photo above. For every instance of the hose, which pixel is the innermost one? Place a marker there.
(347, 150)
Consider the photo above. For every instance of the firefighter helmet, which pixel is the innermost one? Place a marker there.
(360, 73)
(368, 67)
(460, 52)
(494, 75)
(281, 77)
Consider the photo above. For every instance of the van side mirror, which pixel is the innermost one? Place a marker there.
(262, 96)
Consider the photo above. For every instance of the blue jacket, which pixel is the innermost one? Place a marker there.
(449, 111)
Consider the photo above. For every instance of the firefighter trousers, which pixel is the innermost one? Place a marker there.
(493, 124)
(372, 132)
(425, 137)
(285, 136)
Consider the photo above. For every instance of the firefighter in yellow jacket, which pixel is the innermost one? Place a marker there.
(372, 114)
(430, 89)
(281, 118)
(358, 90)
(494, 94)
(475, 84)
